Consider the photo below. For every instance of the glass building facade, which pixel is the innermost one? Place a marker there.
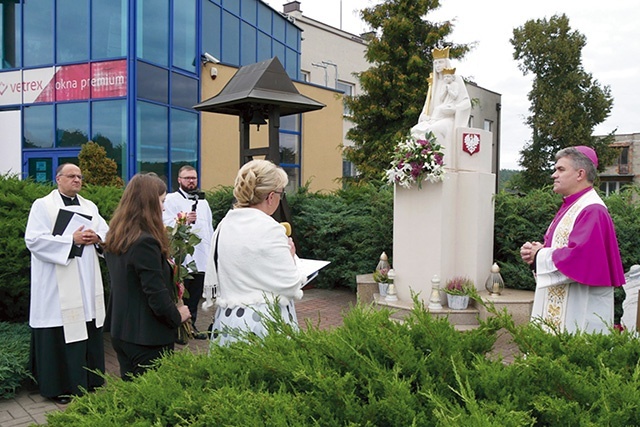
(125, 75)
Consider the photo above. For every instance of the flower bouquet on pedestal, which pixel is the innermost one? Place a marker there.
(182, 242)
(416, 160)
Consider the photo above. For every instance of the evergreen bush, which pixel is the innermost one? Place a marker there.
(374, 371)
(14, 357)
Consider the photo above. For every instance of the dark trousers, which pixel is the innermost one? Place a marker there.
(65, 369)
(135, 359)
(194, 287)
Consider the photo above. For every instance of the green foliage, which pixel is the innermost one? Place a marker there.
(350, 228)
(374, 371)
(97, 168)
(566, 102)
(16, 198)
(396, 85)
(14, 357)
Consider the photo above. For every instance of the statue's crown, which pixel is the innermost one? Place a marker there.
(440, 53)
(448, 71)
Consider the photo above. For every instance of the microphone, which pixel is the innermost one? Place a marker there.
(195, 204)
(287, 228)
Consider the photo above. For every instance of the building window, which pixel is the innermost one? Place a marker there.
(10, 34)
(108, 29)
(623, 161)
(38, 127)
(153, 82)
(72, 41)
(611, 187)
(290, 149)
(348, 89)
(109, 130)
(152, 140)
(153, 31)
(72, 124)
(184, 35)
(488, 125)
(184, 141)
(38, 33)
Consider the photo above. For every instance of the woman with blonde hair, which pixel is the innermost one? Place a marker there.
(142, 314)
(252, 262)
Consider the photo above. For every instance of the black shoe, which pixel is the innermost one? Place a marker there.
(181, 341)
(199, 335)
(62, 399)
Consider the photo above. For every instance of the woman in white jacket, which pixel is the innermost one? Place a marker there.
(252, 262)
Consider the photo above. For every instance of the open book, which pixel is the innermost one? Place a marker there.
(310, 267)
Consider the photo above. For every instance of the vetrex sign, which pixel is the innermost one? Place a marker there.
(65, 83)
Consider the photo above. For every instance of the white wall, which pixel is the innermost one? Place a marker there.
(11, 159)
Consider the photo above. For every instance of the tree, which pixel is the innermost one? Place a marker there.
(566, 102)
(97, 168)
(396, 85)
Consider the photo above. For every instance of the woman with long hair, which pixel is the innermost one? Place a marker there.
(142, 314)
(252, 260)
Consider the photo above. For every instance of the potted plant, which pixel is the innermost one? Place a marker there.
(381, 277)
(458, 290)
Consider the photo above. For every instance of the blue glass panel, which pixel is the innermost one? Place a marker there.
(232, 6)
(291, 64)
(38, 127)
(184, 141)
(184, 90)
(264, 47)
(184, 35)
(249, 11)
(231, 31)
(211, 29)
(152, 151)
(72, 124)
(72, 41)
(265, 15)
(292, 36)
(279, 51)
(38, 33)
(10, 35)
(153, 31)
(109, 130)
(153, 82)
(108, 26)
(248, 46)
(278, 28)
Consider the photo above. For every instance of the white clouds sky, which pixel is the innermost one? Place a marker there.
(611, 55)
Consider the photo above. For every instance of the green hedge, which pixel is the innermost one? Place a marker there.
(374, 371)
(14, 357)
(349, 227)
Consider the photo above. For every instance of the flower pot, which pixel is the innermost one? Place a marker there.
(457, 302)
(382, 288)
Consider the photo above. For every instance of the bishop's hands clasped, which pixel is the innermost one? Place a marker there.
(528, 251)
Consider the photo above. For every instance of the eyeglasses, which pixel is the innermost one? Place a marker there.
(188, 178)
(281, 193)
(72, 176)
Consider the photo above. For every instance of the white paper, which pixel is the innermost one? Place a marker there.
(310, 267)
(76, 222)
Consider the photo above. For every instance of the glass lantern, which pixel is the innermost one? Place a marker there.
(494, 283)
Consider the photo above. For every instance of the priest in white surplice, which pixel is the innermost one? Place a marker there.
(67, 303)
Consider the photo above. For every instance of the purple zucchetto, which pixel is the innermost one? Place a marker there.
(589, 152)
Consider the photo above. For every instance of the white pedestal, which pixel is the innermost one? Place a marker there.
(446, 229)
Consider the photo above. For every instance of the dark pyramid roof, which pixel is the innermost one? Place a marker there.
(262, 83)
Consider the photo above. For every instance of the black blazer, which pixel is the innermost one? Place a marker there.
(142, 308)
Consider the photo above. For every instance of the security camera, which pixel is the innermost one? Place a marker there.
(214, 73)
(207, 57)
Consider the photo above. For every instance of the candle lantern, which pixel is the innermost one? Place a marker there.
(494, 283)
